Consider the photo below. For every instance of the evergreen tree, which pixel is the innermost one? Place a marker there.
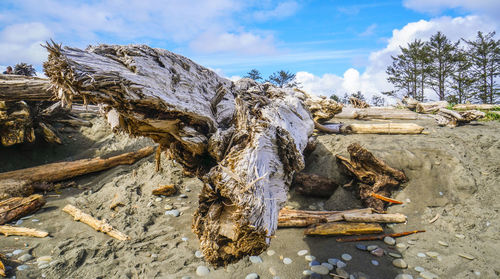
(345, 99)
(283, 79)
(253, 74)
(461, 78)
(24, 69)
(441, 63)
(359, 95)
(335, 98)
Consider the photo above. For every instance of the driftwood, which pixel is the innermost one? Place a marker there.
(98, 225)
(321, 107)
(378, 237)
(382, 128)
(378, 113)
(338, 228)
(25, 181)
(23, 88)
(2, 267)
(17, 207)
(375, 218)
(451, 118)
(373, 175)
(476, 106)
(358, 103)
(16, 123)
(431, 107)
(21, 231)
(304, 218)
(243, 139)
(165, 190)
(410, 103)
(314, 185)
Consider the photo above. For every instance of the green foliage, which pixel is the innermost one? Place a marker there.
(24, 69)
(335, 98)
(283, 79)
(359, 95)
(491, 116)
(253, 74)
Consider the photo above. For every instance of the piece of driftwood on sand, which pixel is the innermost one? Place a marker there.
(431, 107)
(22, 231)
(379, 128)
(98, 225)
(303, 218)
(17, 207)
(339, 228)
(379, 113)
(24, 181)
(243, 139)
(373, 175)
(476, 106)
(452, 118)
(23, 88)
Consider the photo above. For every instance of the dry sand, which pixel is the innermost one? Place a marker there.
(452, 172)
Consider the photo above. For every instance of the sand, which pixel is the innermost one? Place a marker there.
(452, 172)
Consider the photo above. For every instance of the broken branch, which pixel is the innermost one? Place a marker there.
(22, 231)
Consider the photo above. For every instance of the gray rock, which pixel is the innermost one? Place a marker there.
(371, 247)
(255, 259)
(320, 269)
(252, 276)
(183, 196)
(346, 257)
(421, 255)
(184, 239)
(379, 252)
(202, 271)
(44, 259)
(333, 261)
(17, 252)
(158, 199)
(307, 272)
(401, 246)
(341, 264)
(375, 262)
(19, 222)
(419, 269)
(389, 240)
(173, 212)
(403, 276)
(328, 265)
(394, 255)
(8, 255)
(361, 247)
(428, 275)
(442, 243)
(25, 257)
(287, 261)
(42, 266)
(271, 252)
(310, 258)
(342, 272)
(302, 252)
(432, 254)
(198, 254)
(168, 207)
(22, 267)
(399, 263)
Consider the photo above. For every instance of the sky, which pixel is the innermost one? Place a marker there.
(334, 47)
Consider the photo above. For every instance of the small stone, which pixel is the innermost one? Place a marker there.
(8, 255)
(401, 246)
(442, 243)
(188, 190)
(19, 222)
(271, 252)
(154, 256)
(333, 261)
(375, 262)
(463, 255)
(42, 266)
(307, 272)
(287, 261)
(361, 247)
(477, 273)
(168, 207)
(315, 262)
(346, 257)
(341, 264)
(158, 199)
(394, 255)
(183, 196)
(174, 213)
(198, 254)
(389, 240)
(25, 257)
(327, 265)
(459, 236)
(184, 239)
(432, 254)
(421, 255)
(371, 247)
(428, 275)
(379, 252)
(403, 276)
(17, 252)
(323, 270)
(252, 276)
(22, 267)
(419, 269)
(255, 259)
(272, 270)
(149, 204)
(202, 271)
(310, 258)
(44, 259)
(342, 272)
(302, 252)
(412, 242)
(399, 263)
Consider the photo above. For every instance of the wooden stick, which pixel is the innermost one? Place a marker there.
(158, 158)
(343, 229)
(98, 225)
(386, 128)
(375, 218)
(303, 218)
(378, 237)
(17, 207)
(386, 199)
(165, 190)
(22, 231)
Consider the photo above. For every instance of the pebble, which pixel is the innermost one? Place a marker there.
(477, 273)
(371, 247)
(341, 264)
(419, 269)
(394, 255)
(467, 256)
(168, 207)
(375, 263)
(432, 254)
(412, 242)
(428, 275)
(403, 276)
(271, 252)
(315, 262)
(174, 213)
(333, 261)
(307, 272)
(401, 246)
(19, 222)
(346, 257)
(272, 271)
(8, 255)
(186, 277)
(25, 257)
(287, 261)
(158, 199)
(320, 269)
(185, 196)
(302, 252)
(42, 266)
(184, 239)
(399, 263)
(198, 254)
(379, 252)
(252, 276)
(342, 272)
(44, 259)
(327, 265)
(149, 204)
(361, 247)
(154, 256)
(22, 267)
(255, 259)
(389, 240)
(202, 270)
(310, 258)
(460, 236)
(442, 243)
(421, 255)
(17, 252)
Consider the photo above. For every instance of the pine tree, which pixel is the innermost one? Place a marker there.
(283, 79)
(253, 74)
(461, 78)
(441, 63)
(24, 69)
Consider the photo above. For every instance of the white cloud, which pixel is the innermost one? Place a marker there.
(243, 43)
(488, 7)
(22, 43)
(282, 10)
(374, 79)
(370, 30)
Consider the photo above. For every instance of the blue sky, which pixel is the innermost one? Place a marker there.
(333, 46)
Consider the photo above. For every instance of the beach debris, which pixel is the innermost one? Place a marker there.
(378, 237)
(2, 267)
(22, 231)
(375, 217)
(358, 103)
(435, 218)
(386, 199)
(451, 118)
(379, 114)
(116, 201)
(442, 243)
(476, 106)
(313, 185)
(165, 190)
(98, 225)
(379, 128)
(373, 175)
(399, 263)
(17, 207)
(466, 256)
(25, 181)
(303, 218)
(339, 228)
(431, 107)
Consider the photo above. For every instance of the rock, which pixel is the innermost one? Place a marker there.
(42, 266)
(168, 207)
(8, 255)
(401, 246)
(287, 261)
(412, 242)
(252, 276)
(158, 199)
(255, 259)
(25, 257)
(271, 252)
(22, 267)
(183, 196)
(375, 262)
(421, 255)
(428, 275)
(463, 255)
(173, 212)
(17, 252)
(272, 270)
(320, 269)
(333, 261)
(19, 222)
(341, 264)
(202, 271)
(346, 257)
(184, 239)
(310, 258)
(342, 272)
(302, 252)
(307, 272)
(394, 255)
(44, 259)
(186, 277)
(442, 243)
(403, 276)
(154, 256)
(371, 247)
(315, 262)
(389, 240)
(379, 252)
(315, 276)
(432, 254)
(327, 265)
(361, 247)
(459, 236)
(198, 254)
(399, 263)
(419, 269)
(188, 190)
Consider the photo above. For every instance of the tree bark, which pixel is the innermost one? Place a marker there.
(314, 185)
(431, 107)
(23, 88)
(17, 207)
(343, 229)
(304, 218)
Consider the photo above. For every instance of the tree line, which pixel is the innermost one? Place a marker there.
(462, 71)
(280, 78)
(21, 69)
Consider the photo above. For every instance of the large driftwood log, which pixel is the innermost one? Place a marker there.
(379, 113)
(25, 181)
(431, 107)
(314, 185)
(244, 139)
(373, 175)
(23, 88)
(476, 106)
(451, 118)
(381, 128)
(303, 218)
(17, 207)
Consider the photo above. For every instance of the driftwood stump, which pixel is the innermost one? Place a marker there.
(373, 175)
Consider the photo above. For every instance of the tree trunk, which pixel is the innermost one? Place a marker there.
(379, 113)
(244, 139)
(431, 107)
(304, 218)
(475, 106)
(23, 88)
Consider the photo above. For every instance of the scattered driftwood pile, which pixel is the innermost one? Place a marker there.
(244, 140)
(358, 103)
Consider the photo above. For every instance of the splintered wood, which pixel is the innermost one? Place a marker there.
(21, 231)
(98, 225)
(343, 229)
(165, 190)
(17, 207)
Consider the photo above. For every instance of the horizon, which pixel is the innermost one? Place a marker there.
(333, 47)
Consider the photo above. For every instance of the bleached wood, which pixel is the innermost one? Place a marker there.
(375, 218)
(476, 106)
(431, 107)
(385, 128)
(343, 229)
(304, 218)
(22, 231)
(23, 88)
